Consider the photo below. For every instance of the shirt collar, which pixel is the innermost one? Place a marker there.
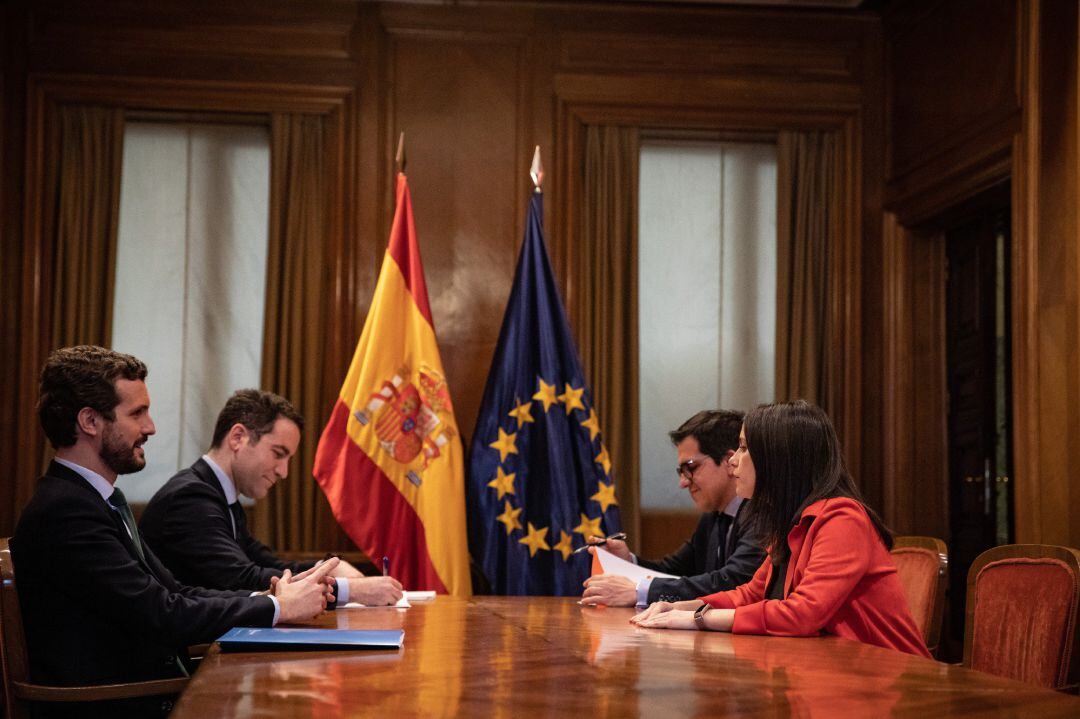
(225, 480)
(733, 506)
(99, 483)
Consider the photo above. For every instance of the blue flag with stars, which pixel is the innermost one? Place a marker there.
(539, 478)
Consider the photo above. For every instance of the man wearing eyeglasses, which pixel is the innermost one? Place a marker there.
(722, 553)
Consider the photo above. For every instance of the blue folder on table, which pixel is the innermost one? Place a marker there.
(250, 639)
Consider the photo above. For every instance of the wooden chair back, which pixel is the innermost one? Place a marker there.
(1022, 602)
(13, 657)
(15, 663)
(922, 564)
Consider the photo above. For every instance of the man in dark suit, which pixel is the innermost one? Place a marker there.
(98, 607)
(197, 525)
(722, 553)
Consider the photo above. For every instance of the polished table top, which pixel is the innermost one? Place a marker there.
(512, 656)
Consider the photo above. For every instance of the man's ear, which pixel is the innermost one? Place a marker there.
(89, 421)
(236, 436)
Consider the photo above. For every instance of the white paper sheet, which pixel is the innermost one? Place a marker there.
(402, 603)
(420, 595)
(635, 573)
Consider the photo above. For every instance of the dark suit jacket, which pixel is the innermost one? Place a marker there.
(706, 564)
(188, 524)
(93, 611)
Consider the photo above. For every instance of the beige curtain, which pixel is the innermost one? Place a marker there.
(806, 225)
(603, 306)
(294, 516)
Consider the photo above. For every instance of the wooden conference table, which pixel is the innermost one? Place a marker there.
(543, 656)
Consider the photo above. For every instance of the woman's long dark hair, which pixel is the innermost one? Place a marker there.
(797, 461)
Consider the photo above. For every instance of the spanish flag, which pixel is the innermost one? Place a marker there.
(390, 459)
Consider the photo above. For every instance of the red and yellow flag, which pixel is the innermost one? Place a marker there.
(390, 459)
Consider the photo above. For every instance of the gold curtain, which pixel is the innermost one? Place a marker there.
(603, 307)
(81, 200)
(807, 215)
(294, 333)
(82, 191)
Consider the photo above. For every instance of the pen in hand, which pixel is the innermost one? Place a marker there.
(386, 566)
(598, 542)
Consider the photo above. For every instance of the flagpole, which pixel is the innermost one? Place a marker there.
(399, 158)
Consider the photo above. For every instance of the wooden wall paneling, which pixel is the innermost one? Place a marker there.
(1046, 289)
(459, 101)
(915, 444)
(1024, 275)
(929, 454)
(868, 465)
(276, 40)
(952, 102)
(898, 385)
(663, 531)
(952, 77)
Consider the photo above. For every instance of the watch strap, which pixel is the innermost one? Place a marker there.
(699, 616)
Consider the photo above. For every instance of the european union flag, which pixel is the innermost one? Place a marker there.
(539, 475)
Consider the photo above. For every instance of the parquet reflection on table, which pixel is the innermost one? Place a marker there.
(508, 657)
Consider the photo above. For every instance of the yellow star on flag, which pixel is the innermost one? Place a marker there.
(603, 458)
(505, 444)
(546, 394)
(572, 398)
(589, 527)
(565, 545)
(509, 517)
(606, 495)
(503, 483)
(535, 539)
(522, 414)
(593, 424)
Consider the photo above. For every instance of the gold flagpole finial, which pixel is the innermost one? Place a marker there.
(536, 172)
(400, 157)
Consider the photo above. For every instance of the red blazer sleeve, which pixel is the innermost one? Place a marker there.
(838, 559)
(752, 591)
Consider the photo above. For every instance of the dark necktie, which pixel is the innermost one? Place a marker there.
(239, 519)
(117, 500)
(723, 524)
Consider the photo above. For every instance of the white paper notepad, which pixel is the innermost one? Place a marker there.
(635, 573)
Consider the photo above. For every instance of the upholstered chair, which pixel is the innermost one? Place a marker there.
(1021, 614)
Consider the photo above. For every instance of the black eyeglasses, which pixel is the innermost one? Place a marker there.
(687, 469)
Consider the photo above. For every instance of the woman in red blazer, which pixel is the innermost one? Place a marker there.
(829, 570)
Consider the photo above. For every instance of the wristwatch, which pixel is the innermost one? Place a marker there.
(699, 616)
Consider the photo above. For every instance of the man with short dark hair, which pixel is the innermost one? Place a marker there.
(98, 607)
(197, 525)
(722, 553)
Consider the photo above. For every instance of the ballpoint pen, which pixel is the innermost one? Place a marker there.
(602, 541)
(386, 566)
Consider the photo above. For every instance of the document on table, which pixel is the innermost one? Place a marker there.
(404, 603)
(635, 573)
